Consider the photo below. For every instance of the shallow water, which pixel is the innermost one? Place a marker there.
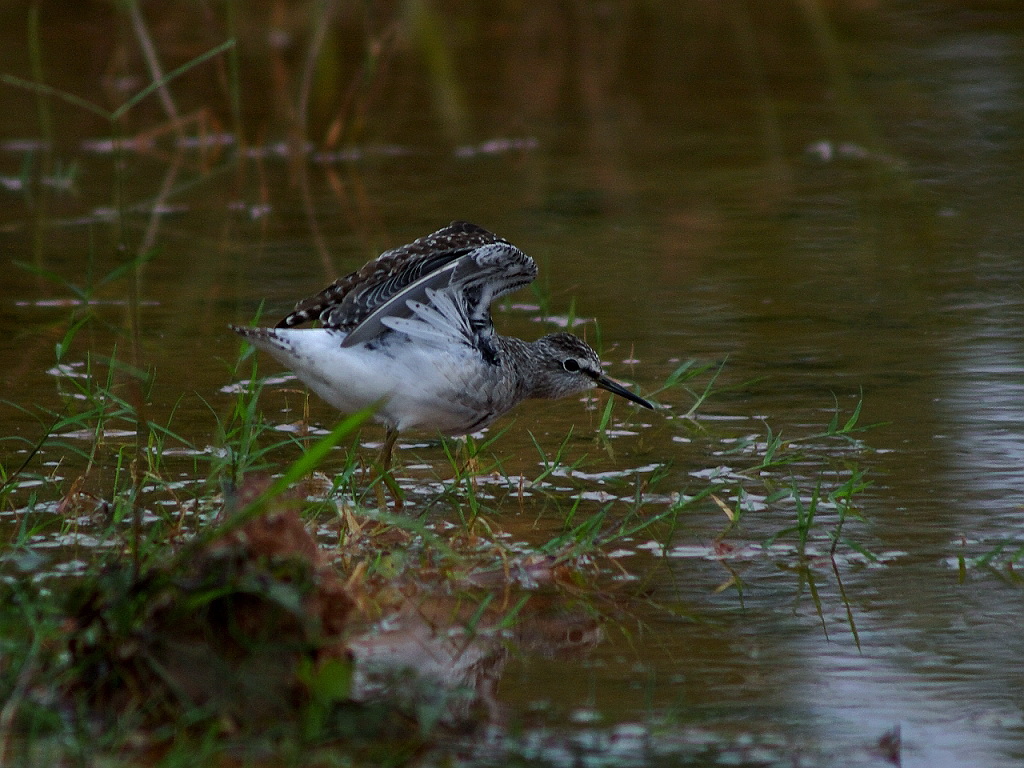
(826, 197)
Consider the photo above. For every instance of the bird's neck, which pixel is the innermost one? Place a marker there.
(522, 363)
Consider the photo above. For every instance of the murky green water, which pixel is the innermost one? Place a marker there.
(827, 197)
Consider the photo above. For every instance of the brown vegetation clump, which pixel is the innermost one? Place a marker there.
(251, 628)
(234, 631)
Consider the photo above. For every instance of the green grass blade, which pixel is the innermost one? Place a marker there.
(118, 113)
(46, 90)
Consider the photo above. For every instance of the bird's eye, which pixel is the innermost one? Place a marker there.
(571, 365)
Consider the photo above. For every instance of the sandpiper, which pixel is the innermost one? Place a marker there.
(411, 333)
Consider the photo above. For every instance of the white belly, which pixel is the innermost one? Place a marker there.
(413, 385)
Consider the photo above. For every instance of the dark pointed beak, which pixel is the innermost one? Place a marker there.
(617, 389)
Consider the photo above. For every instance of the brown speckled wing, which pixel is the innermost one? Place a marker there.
(349, 300)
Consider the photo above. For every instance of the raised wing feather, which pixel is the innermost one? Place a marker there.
(461, 259)
(441, 322)
(478, 276)
(346, 302)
